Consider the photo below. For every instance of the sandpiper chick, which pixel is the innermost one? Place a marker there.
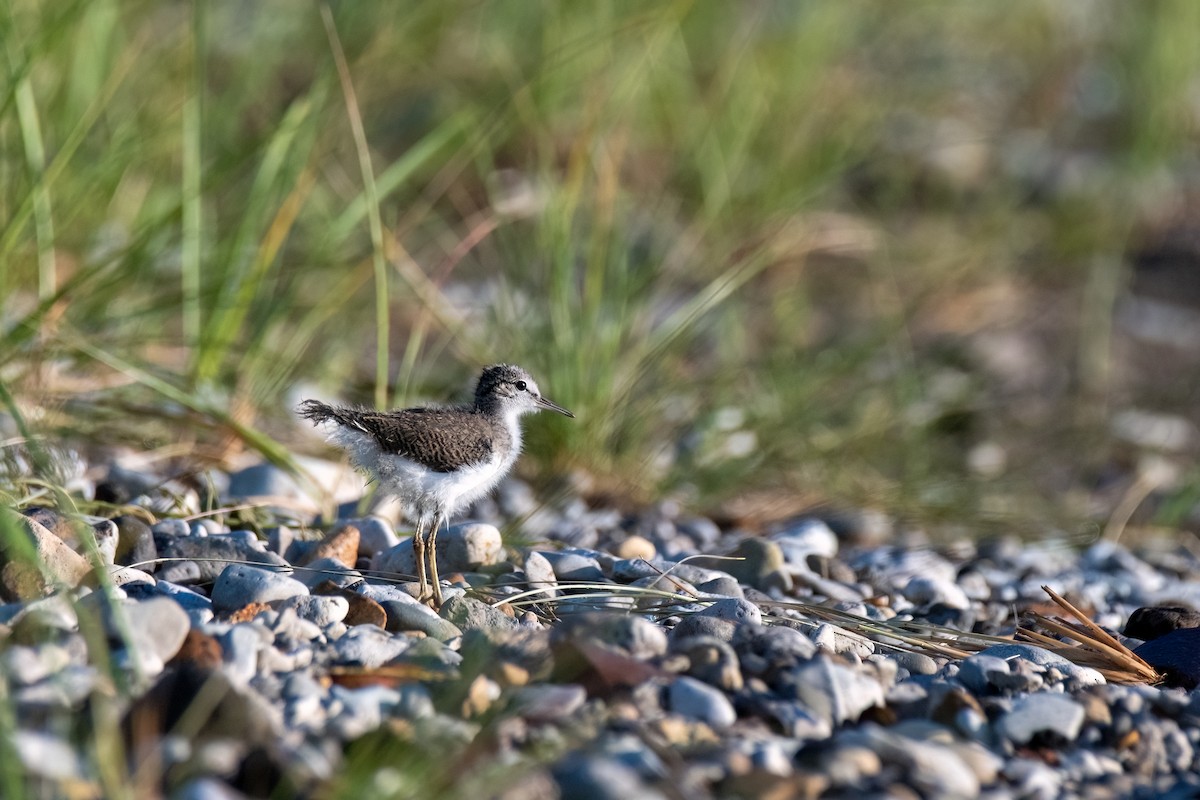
(438, 460)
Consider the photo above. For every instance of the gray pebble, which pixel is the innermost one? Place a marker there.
(586, 777)
(573, 567)
(469, 614)
(833, 639)
(734, 609)
(240, 646)
(320, 610)
(409, 615)
(935, 769)
(1077, 676)
(375, 534)
(239, 585)
(368, 646)
(712, 661)
(1042, 713)
(468, 546)
(923, 591)
(540, 574)
(180, 572)
(327, 569)
(212, 553)
(548, 702)
(722, 586)
(135, 542)
(834, 691)
(700, 625)
(157, 628)
(697, 700)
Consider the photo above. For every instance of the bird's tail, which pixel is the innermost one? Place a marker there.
(317, 412)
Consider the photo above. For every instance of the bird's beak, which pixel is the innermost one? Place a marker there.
(546, 404)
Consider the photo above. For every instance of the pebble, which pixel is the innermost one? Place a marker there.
(540, 574)
(240, 585)
(212, 554)
(734, 609)
(746, 703)
(56, 564)
(375, 534)
(317, 609)
(574, 567)
(697, 700)
(409, 615)
(135, 542)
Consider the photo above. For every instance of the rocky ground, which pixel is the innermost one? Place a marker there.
(607, 655)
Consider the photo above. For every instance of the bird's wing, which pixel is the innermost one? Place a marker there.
(435, 438)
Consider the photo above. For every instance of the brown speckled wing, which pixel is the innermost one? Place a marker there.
(441, 439)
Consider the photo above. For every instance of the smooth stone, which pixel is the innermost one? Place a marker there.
(924, 591)
(375, 534)
(712, 661)
(1150, 622)
(240, 646)
(1175, 654)
(807, 537)
(409, 615)
(935, 769)
(636, 547)
(548, 702)
(280, 539)
(761, 565)
(189, 599)
(469, 614)
(540, 574)
(360, 609)
(915, 663)
(734, 609)
(588, 777)
(636, 636)
(321, 610)
(239, 585)
(469, 546)
(699, 625)
(838, 693)
(983, 674)
(180, 572)
(120, 576)
(169, 528)
(833, 639)
(368, 646)
(574, 567)
(1077, 676)
(214, 553)
(1042, 713)
(327, 569)
(156, 629)
(697, 700)
(135, 542)
(723, 586)
(772, 647)
(847, 765)
(56, 563)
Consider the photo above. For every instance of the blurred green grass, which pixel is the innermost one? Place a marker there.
(755, 246)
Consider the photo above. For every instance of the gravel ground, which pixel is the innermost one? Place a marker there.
(616, 656)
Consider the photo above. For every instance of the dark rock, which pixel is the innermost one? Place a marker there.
(135, 542)
(1151, 622)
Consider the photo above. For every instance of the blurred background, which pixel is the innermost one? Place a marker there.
(936, 260)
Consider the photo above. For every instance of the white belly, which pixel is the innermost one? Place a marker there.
(423, 492)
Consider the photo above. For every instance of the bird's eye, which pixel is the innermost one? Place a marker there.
(520, 386)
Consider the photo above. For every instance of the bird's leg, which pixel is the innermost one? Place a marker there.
(437, 584)
(418, 543)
